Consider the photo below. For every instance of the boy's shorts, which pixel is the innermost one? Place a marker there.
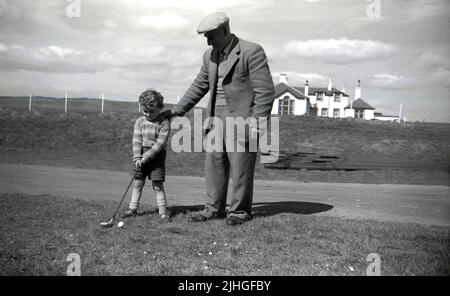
(155, 169)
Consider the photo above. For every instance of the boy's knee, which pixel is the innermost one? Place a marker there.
(139, 184)
(158, 185)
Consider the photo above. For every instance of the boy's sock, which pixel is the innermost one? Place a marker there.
(162, 210)
(136, 194)
(134, 204)
(161, 203)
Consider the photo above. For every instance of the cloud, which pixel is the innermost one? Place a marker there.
(435, 59)
(9, 11)
(205, 6)
(435, 65)
(110, 24)
(58, 59)
(164, 21)
(59, 52)
(366, 20)
(440, 77)
(392, 81)
(420, 10)
(133, 57)
(47, 58)
(110, 28)
(160, 76)
(337, 50)
(151, 55)
(298, 79)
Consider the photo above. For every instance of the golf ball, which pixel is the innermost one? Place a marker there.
(120, 224)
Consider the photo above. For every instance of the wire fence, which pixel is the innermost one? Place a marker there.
(69, 105)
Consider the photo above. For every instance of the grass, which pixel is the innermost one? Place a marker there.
(103, 141)
(38, 232)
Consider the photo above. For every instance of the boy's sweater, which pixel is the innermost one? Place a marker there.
(150, 137)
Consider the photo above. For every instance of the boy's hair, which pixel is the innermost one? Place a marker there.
(151, 96)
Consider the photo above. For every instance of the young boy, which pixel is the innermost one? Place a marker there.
(151, 133)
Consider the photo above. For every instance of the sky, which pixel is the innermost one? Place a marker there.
(399, 49)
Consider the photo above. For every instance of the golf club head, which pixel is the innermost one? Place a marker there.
(107, 224)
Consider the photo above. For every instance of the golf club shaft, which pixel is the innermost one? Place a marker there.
(125, 193)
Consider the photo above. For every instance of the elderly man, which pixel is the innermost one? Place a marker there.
(237, 75)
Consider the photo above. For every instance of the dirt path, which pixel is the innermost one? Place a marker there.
(402, 203)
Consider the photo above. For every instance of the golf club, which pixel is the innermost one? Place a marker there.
(110, 222)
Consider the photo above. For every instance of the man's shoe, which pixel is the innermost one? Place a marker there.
(233, 220)
(129, 213)
(202, 218)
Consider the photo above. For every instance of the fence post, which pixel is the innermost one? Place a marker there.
(400, 114)
(103, 102)
(65, 104)
(29, 105)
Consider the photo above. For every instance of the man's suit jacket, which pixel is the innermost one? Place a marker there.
(247, 82)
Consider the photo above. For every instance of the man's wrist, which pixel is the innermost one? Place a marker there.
(178, 110)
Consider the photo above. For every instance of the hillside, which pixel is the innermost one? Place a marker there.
(103, 141)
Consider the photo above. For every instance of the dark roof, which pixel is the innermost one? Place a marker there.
(360, 104)
(281, 88)
(313, 90)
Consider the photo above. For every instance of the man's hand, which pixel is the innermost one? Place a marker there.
(168, 114)
(138, 163)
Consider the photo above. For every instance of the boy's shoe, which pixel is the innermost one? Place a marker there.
(129, 213)
(165, 218)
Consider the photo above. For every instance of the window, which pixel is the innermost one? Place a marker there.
(319, 96)
(359, 113)
(336, 113)
(337, 97)
(286, 106)
(324, 112)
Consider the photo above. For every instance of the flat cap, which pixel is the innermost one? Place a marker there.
(212, 22)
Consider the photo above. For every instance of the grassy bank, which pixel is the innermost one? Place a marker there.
(88, 140)
(38, 232)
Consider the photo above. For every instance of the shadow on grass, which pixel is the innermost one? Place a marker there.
(262, 209)
(147, 212)
(175, 210)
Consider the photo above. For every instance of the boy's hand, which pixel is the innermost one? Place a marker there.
(138, 163)
(144, 160)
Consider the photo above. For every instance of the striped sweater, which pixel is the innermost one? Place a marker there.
(150, 137)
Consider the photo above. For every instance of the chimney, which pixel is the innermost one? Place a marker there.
(306, 88)
(358, 90)
(330, 84)
(283, 78)
(343, 89)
